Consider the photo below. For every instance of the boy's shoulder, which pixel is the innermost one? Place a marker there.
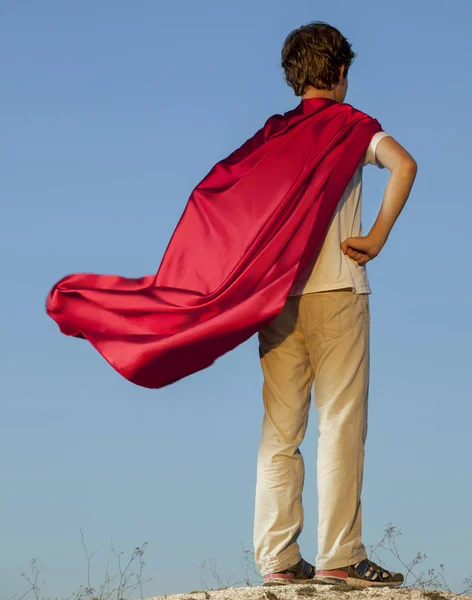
(349, 108)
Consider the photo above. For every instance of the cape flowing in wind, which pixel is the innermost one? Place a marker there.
(248, 231)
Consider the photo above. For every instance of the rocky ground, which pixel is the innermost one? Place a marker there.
(319, 592)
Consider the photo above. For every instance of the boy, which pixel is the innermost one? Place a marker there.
(322, 337)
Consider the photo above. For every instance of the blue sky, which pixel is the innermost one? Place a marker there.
(112, 112)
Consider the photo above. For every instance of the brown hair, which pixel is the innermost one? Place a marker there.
(313, 54)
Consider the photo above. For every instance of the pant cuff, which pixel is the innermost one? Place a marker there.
(280, 563)
(339, 562)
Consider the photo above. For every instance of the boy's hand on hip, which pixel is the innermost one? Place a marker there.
(361, 249)
(403, 168)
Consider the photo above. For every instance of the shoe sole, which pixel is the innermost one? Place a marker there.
(275, 581)
(356, 583)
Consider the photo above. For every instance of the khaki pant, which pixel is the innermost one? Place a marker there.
(321, 338)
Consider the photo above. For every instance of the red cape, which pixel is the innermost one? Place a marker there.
(247, 233)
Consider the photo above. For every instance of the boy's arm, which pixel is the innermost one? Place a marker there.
(403, 169)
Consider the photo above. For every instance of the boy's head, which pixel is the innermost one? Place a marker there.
(316, 60)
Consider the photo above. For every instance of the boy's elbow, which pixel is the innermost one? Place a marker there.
(403, 165)
(406, 166)
(411, 165)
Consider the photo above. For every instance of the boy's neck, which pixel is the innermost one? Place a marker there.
(312, 92)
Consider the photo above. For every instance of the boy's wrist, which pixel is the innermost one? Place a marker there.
(378, 238)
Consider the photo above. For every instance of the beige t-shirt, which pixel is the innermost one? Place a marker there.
(333, 270)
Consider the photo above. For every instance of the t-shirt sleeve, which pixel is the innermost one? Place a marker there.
(370, 156)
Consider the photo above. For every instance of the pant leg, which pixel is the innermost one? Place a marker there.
(288, 379)
(336, 326)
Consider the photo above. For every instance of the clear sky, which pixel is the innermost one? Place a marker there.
(111, 112)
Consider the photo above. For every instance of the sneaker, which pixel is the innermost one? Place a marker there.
(361, 575)
(302, 572)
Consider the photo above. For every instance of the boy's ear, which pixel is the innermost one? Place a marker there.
(342, 68)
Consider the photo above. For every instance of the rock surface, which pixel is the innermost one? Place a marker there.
(318, 592)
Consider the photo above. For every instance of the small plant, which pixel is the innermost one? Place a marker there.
(209, 570)
(431, 582)
(118, 586)
(250, 568)
(33, 580)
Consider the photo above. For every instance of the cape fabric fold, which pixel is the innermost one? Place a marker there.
(247, 233)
